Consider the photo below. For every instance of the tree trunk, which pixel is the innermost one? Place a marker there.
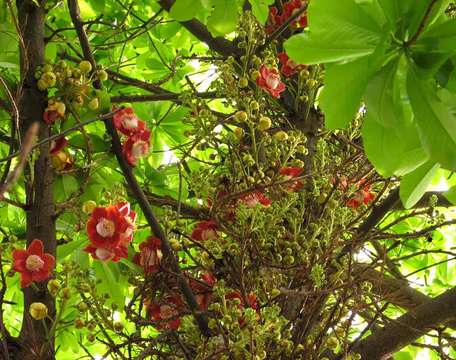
(39, 181)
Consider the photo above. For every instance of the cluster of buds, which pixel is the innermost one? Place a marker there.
(110, 230)
(138, 135)
(73, 87)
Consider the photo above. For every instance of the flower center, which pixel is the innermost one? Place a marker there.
(34, 263)
(208, 234)
(272, 81)
(167, 312)
(139, 148)
(103, 254)
(130, 122)
(106, 228)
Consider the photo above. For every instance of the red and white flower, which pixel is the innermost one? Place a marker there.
(254, 199)
(129, 217)
(33, 263)
(150, 255)
(106, 227)
(269, 80)
(202, 289)
(127, 122)
(136, 146)
(55, 110)
(58, 145)
(166, 313)
(205, 230)
(288, 67)
(104, 254)
(363, 196)
(289, 173)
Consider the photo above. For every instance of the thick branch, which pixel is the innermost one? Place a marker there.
(407, 328)
(218, 44)
(157, 230)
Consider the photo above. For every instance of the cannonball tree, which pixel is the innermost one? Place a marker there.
(227, 179)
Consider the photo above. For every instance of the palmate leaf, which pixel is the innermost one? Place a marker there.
(435, 121)
(415, 184)
(224, 17)
(183, 10)
(339, 30)
(260, 8)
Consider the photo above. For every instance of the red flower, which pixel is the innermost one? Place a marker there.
(289, 173)
(136, 146)
(33, 263)
(203, 289)
(106, 227)
(104, 254)
(289, 9)
(205, 230)
(150, 255)
(130, 218)
(255, 198)
(274, 20)
(54, 111)
(127, 122)
(58, 144)
(361, 196)
(289, 67)
(167, 312)
(269, 80)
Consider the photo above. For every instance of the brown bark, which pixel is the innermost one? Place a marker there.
(39, 181)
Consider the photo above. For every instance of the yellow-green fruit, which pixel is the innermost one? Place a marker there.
(118, 326)
(85, 66)
(281, 136)
(49, 78)
(332, 343)
(79, 323)
(89, 206)
(239, 132)
(53, 287)
(264, 123)
(241, 116)
(311, 82)
(66, 293)
(102, 75)
(275, 293)
(175, 244)
(42, 85)
(94, 104)
(254, 105)
(38, 311)
(243, 82)
(47, 68)
(255, 75)
(82, 306)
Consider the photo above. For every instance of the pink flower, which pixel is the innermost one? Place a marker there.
(205, 230)
(288, 67)
(106, 254)
(136, 146)
(127, 122)
(269, 80)
(289, 173)
(33, 263)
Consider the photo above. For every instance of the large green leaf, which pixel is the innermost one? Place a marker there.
(260, 9)
(183, 10)
(415, 184)
(224, 18)
(440, 38)
(436, 123)
(352, 33)
(340, 98)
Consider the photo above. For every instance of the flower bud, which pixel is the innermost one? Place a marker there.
(89, 206)
(281, 136)
(102, 75)
(79, 323)
(241, 116)
(53, 287)
(85, 66)
(243, 82)
(38, 311)
(264, 123)
(239, 132)
(118, 326)
(93, 104)
(82, 306)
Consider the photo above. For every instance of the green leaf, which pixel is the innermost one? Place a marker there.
(183, 10)
(450, 195)
(340, 106)
(415, 184)
(260, 9)
(224, 18)
(436, 123)
(352, 34)
(99, 145)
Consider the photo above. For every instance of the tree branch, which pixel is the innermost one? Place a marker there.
(157, 230)
(407, 328)
(161, 97)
